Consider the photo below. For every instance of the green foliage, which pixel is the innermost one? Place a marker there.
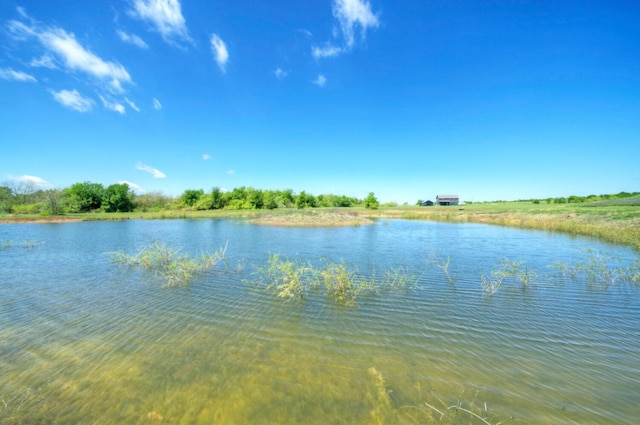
(84, 197)
(371, 201)
(117, 198)
(175, 268)
(343, 284)
(305, 200)
(190, 197)
(285, 278)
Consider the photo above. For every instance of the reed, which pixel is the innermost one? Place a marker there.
(174, 267)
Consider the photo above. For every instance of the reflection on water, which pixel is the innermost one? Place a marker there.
(83, 341)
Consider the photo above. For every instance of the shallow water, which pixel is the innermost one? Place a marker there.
(83, 340)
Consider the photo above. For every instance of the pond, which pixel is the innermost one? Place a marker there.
(84, 340)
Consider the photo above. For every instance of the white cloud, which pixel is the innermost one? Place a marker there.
(352, 13)
(137, 189)
(46, 61)
(113, 106)
(74, 56)
(326, 51)
(132, 39)
(220, 53)
(131, 104)
(320, 81)
(11, 75)
(279, 73)
(73, 100)
(34, 181)
(157, 174)
(165, 16)
(156, 104)
(206, 156)
(230, 172)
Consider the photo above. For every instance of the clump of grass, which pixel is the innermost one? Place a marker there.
(508, 270)
(601, 269)
(340, 282)
(286, 278)
(175, 268)
(6, 244)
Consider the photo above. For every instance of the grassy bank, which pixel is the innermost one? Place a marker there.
(611, 222)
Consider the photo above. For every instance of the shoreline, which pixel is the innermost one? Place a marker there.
(612, 224)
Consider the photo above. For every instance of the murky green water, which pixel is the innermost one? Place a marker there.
(85, 341)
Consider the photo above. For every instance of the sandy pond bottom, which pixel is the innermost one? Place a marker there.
(83, 341)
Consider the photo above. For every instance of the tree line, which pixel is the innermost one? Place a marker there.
(24, 197)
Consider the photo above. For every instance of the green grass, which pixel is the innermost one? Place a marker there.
(175, 268)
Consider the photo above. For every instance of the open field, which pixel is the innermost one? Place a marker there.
(612, 222)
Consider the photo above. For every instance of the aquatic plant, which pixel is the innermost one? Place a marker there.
(601, 269)
(170, 264)
(378, 395)
(444, 266)
(507, 270)
(284, 277)
(341, 282)
(23, 244)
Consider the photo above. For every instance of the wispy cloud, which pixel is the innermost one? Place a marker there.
(34, 181)
(131, 104)
(132, 39)
(45, 61)
(320, 81)
(71, 53)
(326, 51)
(137, 189)
(280, 74)
(220, 53)
(206, 156)
(351, 14)
(113, 106)
(72, 100)
(156, 104)
(230, 172)
(11, 75)
(165, 16)
(157, 174)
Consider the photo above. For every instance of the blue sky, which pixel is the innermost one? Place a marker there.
(487, 100)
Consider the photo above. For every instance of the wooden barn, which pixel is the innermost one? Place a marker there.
(447, 200)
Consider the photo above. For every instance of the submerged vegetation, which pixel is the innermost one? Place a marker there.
(174, 267)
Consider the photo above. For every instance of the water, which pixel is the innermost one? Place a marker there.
(83, 340)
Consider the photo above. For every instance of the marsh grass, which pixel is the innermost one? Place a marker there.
(601, 269)
(340, 282)
(443, 265)
(174, 267)
(507, 271)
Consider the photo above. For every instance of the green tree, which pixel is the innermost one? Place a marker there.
(190, 197)
(304, 200)
(6, 199)
(371, 201)
(117, 198)
(84, 197)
